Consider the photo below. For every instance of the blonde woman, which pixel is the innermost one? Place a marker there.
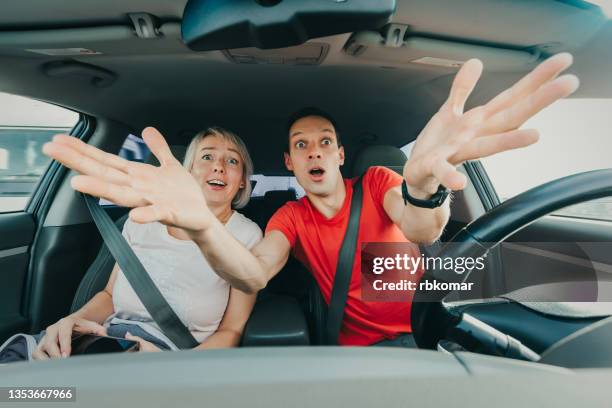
(214, 312)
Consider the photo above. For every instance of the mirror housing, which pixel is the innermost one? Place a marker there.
(220, 24)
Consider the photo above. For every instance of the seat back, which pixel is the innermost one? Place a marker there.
(381, 155)
(261, 209)
(97, 275)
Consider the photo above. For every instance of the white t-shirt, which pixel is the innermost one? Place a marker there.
(195, 292)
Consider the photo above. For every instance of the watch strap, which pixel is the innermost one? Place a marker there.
(436, 200)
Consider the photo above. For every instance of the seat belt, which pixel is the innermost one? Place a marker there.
(150, 296)
(344, 268)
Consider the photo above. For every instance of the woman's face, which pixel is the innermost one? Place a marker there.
(218, 168)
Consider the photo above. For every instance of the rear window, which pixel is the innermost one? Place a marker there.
(274, 183)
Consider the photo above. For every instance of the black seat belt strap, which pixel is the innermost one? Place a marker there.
(139, 279)
(344, 268)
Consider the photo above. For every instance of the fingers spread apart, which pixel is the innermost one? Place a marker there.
(158, 146)
(490, 145)
(515, 115)
(121, 195)
(99, 167)
(463, 85)
(543, 73)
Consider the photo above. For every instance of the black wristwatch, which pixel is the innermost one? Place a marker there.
(434, 201)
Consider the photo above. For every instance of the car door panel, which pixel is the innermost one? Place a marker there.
(62, 256)
(17, 235)
(30, 300)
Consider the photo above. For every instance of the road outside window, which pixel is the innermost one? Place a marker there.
(576, 136)
(25, 125)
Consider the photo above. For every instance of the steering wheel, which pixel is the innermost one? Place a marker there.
(432, 321)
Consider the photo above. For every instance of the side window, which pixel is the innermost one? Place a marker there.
(574, 137)
(133, 149)
(272, 183)
(25, 126)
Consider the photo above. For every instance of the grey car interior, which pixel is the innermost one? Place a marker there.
(127, 65)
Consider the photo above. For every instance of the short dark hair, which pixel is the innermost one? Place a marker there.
(311, 111)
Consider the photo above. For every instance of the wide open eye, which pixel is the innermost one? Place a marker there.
(300, 144)
(326, 142)
(233, 161)
(207, 156)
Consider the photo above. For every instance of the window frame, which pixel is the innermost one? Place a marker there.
(50, 179)
(46, 178)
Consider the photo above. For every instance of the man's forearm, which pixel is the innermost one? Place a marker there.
(424, 225)
(230, 259)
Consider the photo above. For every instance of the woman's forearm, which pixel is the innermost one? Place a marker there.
(221, 339)
(97, 309)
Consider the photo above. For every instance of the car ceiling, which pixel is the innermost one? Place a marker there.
(377, 97)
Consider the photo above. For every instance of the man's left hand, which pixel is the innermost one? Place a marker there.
(453, 136)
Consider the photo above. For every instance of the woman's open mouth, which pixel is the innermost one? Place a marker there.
(216, 184)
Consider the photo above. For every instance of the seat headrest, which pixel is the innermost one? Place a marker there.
(178, 151)
(380, 155)
(282, 196)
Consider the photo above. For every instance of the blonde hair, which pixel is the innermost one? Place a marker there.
(244, 194)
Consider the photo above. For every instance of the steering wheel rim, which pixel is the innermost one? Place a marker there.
(430, 319)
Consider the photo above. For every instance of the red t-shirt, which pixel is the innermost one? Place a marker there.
(316, 242)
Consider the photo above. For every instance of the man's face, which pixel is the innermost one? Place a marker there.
(314, 156)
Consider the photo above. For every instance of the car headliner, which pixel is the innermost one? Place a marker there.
(161, 82)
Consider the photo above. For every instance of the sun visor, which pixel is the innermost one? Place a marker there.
(217, 25)
(396, 50)
(91, 41)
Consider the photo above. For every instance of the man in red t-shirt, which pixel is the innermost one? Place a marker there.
(313, 227)
(316, 240)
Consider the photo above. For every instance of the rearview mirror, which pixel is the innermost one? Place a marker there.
(221, 24)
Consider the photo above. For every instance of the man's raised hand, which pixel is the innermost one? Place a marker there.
(453, 136)
(168, 193)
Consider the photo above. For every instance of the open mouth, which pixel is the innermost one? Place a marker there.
(316, 173)
(216, 184)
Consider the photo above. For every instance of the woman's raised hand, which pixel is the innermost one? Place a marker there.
(168, 193)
